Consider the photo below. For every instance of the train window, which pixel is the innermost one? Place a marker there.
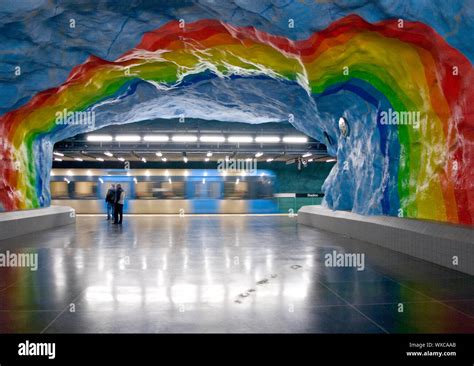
(145, 190)
(174, 190)
(236, 191)
(59, 190)
(205, 189)
(264, 189)
(84, 189)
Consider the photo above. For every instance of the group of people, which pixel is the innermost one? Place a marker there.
(115, 199)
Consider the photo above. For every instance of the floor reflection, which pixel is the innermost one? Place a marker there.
(222, 274)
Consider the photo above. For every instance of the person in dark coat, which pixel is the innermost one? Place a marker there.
(110, 201)
(119, 201)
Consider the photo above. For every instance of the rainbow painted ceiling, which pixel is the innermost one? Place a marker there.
(403, 89)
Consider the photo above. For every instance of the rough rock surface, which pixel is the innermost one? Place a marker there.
(381, 169)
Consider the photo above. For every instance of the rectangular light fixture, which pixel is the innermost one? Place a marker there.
(330, 160)
(156, 138)
(240, 139)
(99, 138)
(121, 159)
(184, 138)
(259, 154)
(57, 159)
(108, 153)
(267, 139)
(99, 159)
(78, 159)
(58, 153)
(269, 160)
(307, 155)
(295, 139)
(211, 138)
(127, 138)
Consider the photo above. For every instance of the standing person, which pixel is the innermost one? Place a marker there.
(119, 201)
(109, 200)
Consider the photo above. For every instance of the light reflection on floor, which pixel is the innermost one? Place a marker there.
(222, 274)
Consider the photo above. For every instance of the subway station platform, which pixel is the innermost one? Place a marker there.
(222, 273)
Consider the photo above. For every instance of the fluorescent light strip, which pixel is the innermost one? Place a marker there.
(240, 139)
(267, 139)
(99, 138)
(211, 138)
(58, 153)
(156, 138)
(184, 138)
(295, 139)
(127, 138)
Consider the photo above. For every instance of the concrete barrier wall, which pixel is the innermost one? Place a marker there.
(435, 242)
(29, 221)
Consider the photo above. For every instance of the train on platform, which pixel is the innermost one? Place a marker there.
(167, 191)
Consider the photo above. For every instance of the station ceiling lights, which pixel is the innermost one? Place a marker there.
(211, 138)
(184, 138)
(240, 139)
(202, 138)
(267, 139)
(99, 138)
(156, 138)
(128, 138)
(295, 139)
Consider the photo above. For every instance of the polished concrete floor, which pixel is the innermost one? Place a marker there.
(222, 274)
